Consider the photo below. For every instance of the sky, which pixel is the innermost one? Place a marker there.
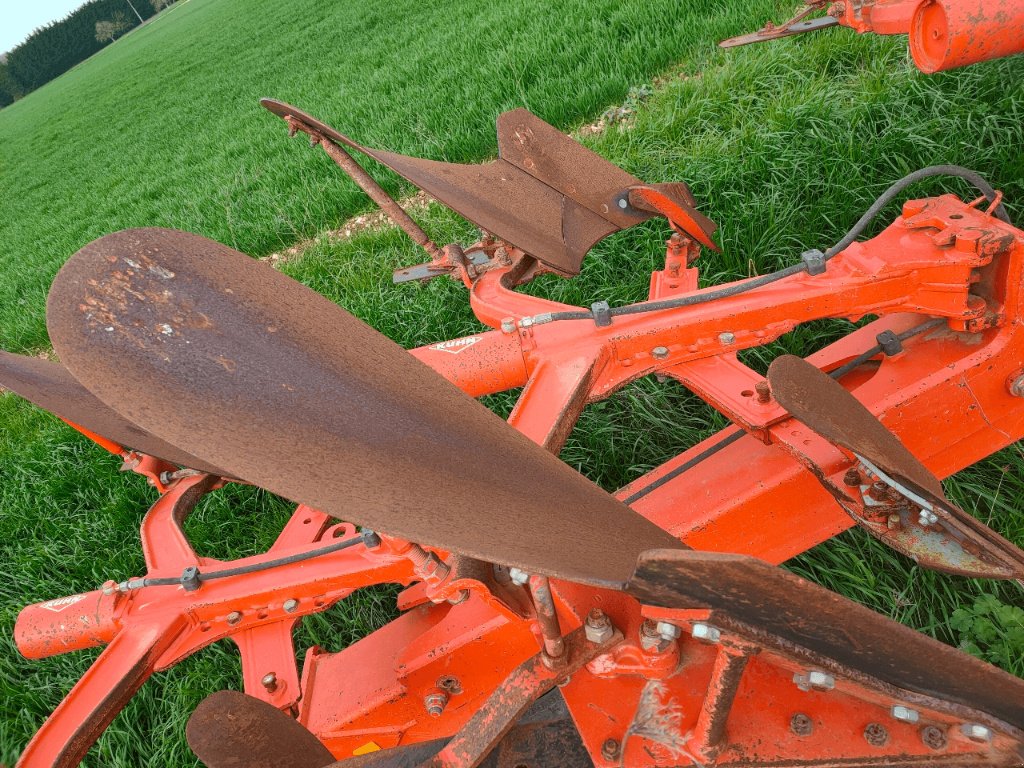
(19, 17)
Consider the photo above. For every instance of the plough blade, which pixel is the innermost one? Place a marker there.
(230, 728)
(50, 386)
(830, 630)
(953, 541)
(263, 376)
(546, 194)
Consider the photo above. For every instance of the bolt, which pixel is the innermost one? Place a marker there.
(269, 682)
(764, 392)
(852, 477)
(598, 628)
(727, 338)
(906, 714)
(519, 576)
(234, 617)
(933, 737)
(623, 203)
(459, 597)
(706, 632)
(610, 749)
(508, 325)
(815, 680)
(876, 735)
(668, 630)
(650, 639)
(526, 322)
(291, 605)
(435, 703)
(976, 732)
(659, 353)
(1016, 385)
(926, 518)
(801, 724)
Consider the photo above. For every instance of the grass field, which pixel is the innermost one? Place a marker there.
(785, 144)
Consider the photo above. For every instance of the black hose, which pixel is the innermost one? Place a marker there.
(171, 581)
(855, 231)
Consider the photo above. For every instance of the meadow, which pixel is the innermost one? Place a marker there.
(784, 144)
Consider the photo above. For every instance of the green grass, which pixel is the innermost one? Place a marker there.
(785, 144)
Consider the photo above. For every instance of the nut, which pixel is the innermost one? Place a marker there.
(876, 735)
(976, 732)
(519, 576)
(598, 628)
(852, 477)
(234, 617)
(1016, 384)
(706, 632)
(814, 680)
(435, 703)
(650, 639)
(668, 630)
(801, 724)
(659, 353)
(905, 714)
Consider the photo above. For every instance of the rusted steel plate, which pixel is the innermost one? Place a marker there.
(546, 194)
(773, 32)
(956, 542)
(827, 627)
(232, 730)
(262, 376)
(50, 386)
(825, 406)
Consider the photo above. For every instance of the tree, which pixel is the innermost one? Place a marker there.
(159, 5)
(106, 31)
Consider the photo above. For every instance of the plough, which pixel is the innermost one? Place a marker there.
(544, 622)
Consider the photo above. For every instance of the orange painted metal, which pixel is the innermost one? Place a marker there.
(464, 628)
(954, 33)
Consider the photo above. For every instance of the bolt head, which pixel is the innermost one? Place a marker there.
(976, 732)
(727, 338)
(598, 633)
(659, 353)
(933, 737)
(234, 617)
(905, 714)
(291, 605)
(508, 325)
(623, 203)
(269, 681)
(610, 749)
(706, 632)
(519, 576)
(801, 725)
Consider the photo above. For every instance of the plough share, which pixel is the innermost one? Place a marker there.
(544, 622)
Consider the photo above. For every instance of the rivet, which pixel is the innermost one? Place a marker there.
(659, 353)
(876, 735)
(269, 682)
(801, 725)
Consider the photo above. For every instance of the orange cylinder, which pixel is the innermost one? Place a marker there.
(66, 624)
(953, 33)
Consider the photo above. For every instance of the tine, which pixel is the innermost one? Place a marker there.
(232, 730)
(262, 376)
(829, 409)
(827, 625)
(50, 386)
